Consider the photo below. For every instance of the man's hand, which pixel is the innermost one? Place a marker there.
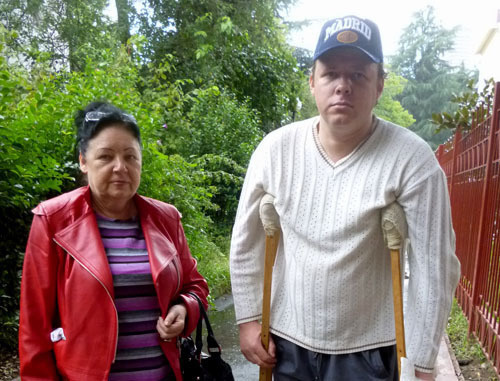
(424, 376)
(174, 322)
(252, 348)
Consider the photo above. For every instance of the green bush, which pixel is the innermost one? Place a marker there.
(225, 178)
(220, 125)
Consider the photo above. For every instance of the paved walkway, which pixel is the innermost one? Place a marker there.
(446, 365)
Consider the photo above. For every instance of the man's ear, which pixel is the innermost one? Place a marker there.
(311, 84)
(380, 87)
(83, 163)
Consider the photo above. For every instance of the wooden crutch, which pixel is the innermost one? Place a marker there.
(270, 221)
(395, 231)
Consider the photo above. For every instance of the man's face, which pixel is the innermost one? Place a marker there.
(346, 87)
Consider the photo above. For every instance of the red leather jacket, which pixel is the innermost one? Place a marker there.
(67, 283)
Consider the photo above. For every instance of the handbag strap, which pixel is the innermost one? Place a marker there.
(212, 344)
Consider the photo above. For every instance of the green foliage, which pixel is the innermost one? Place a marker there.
(25, 178)
(215, 269)
(308, 108)
(225, 177)
(217, 135)
(64, 31)
(238, 46)
(220, 125)
(464, 347)
(468, 103)
(223, 133)
(173, 179)
(266, 75)
(304, 59)
(431, 80)
(388, 107)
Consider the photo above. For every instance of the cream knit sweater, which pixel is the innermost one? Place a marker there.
(332, 278)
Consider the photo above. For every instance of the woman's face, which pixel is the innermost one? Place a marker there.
(112, 164)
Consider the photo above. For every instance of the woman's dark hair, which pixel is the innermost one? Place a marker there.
(98, 115)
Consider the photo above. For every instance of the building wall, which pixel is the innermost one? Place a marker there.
(489, 58)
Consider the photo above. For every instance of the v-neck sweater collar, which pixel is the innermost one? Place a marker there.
(353, 153)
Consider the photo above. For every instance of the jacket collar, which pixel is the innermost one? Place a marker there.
(82, 240)
(87, 248)
(159, 249)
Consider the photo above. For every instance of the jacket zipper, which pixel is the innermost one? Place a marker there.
(107, 292)
(178, 277)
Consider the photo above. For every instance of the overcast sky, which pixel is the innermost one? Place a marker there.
(392, 16)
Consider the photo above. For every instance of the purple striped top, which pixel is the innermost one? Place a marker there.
(139, 356)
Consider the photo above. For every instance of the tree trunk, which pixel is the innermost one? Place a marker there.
(123, 11)
(70, 38)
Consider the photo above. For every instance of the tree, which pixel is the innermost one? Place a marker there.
(123, 11)
(66, 30)
(304, 59)
(431, 80)
(388, 107)
(238, 46)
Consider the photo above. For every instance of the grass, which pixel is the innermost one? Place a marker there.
(465, 348)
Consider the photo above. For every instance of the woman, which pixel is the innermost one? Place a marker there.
(108, 279)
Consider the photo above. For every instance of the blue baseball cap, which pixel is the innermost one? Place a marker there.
(362, 34)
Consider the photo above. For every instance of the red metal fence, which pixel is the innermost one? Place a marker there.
(472, 165)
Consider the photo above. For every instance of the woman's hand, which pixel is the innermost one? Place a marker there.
(173, 324)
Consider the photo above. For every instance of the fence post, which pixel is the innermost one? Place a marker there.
(486, 184)
(439, 153)
(456, 138)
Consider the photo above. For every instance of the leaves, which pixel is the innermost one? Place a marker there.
(388, 107)
(470, 104)
(239, 47)
(432, 81)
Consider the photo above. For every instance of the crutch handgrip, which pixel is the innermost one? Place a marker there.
(394, 226)
(271, 224)
(395, 230)
(268, 215)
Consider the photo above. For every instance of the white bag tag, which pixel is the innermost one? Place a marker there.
(57, 334)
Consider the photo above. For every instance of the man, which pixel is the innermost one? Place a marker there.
(331, 311)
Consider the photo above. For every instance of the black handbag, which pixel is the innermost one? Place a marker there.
(198, 366)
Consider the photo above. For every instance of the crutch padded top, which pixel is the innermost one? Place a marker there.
(269, 217)
(394, 226)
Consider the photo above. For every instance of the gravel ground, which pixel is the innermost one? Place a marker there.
(9, 366)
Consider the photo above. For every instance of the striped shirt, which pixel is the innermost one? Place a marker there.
(139, 355)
